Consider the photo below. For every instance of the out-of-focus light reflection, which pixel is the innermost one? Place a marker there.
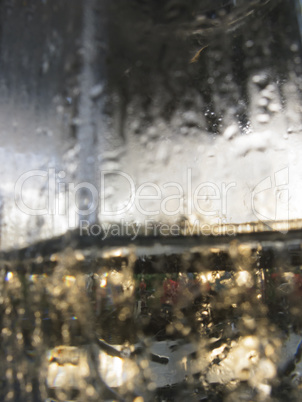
(243, 278)
(9, 276)
(116, 371)
(54, 257)
(117, 252)
(114, 367)
(103, 282)
(35, 277)
(210, 276)
(250, 342)
(79, 256)
(289, 276)
(67, 365)
(116, 277)
(69, 280)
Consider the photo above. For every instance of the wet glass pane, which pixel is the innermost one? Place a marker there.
(150, 207)
(211, 320)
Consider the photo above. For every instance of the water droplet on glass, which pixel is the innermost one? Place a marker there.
(263, 118)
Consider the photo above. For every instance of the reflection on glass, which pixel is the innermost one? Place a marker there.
(141, 326)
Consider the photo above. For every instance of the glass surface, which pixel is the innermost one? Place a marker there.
(150, 203)
(129, 112)
(180, 319)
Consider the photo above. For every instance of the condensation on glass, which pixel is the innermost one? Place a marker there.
(150, 200)
(114, 94)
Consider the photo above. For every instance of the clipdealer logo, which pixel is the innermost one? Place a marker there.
(80, 203)
(270, 200)
(148, 199)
